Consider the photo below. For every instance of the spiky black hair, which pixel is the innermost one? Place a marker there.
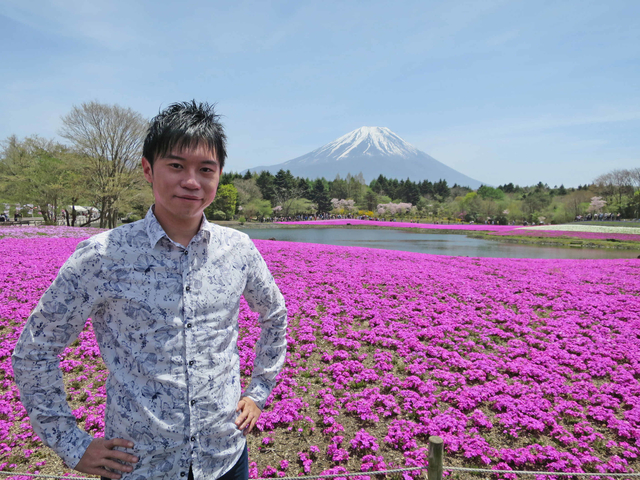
(185, 125)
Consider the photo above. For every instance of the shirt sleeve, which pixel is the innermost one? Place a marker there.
(263, 296)
(56, 322)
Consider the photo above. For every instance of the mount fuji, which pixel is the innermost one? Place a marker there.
(372, 151)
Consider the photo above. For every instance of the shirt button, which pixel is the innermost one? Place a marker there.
(188, 325)
(193, 402)
(191, 362)
(193, 439)
(182, 474)
(186, 252)
(188, 288)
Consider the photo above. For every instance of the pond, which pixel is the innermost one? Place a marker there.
(438, 244)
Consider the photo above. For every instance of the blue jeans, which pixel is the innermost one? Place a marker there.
(240, 471)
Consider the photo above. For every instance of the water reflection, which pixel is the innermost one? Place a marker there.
(438, 244)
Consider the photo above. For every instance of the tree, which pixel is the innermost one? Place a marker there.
(411, 192)
(617, 185)
(635, 204)
(356, 187)
(393, 188)
(534, 202)
(441, 189)
(487, 192)
(488, 209)
(471, 205)
(284, 183)
(513, 211)
(228, 178)
(111, 138)
(394, 208)
(138, 205)
(225, 201)
(301, 206)
(597, 204)
(286, 190)
(265, 183)
(507, 188)
(634, 178)
(342, 206)
(257, 208)
(380, 185)
(44, 173)
(576, 202)
(457, 191)
(338, 188)
(304, 188)
(321, 197)
(248, 190)
(426, 188)
(371, 200)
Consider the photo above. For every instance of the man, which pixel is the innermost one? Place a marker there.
(163, 295)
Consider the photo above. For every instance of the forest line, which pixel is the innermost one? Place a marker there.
(100, 168)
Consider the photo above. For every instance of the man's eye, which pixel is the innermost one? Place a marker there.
(175, 165)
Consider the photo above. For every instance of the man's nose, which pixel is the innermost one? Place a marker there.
(190, 180)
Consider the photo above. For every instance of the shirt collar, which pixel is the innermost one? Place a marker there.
(156, 232)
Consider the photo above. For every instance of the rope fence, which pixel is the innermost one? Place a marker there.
(434, 469)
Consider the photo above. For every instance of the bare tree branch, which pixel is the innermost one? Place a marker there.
(112, 138)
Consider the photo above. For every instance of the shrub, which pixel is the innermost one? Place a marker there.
(219, 215)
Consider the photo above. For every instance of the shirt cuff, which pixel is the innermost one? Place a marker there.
(78, 443)
(258, 392)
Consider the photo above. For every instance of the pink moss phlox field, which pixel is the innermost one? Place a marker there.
(532, 364)
(507, 230)
(27, 268)
(23, 231)
(516, 363)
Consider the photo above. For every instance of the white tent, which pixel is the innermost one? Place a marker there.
(78, 208)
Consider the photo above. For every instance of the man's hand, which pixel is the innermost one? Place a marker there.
(249, 414)
(100, 454)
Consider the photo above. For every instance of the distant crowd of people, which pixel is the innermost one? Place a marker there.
(603, 217)
(327, 216)
(309, 218)
(4, 217)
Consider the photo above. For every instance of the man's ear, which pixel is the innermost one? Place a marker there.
(147, 169)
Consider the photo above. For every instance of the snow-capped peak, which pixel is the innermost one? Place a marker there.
(375, 141)
(372, 151)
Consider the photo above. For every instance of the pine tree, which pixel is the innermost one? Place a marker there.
(303, 188)
(321, 197)
(265, 184)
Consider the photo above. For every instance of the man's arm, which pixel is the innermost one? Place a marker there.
(263, 296)
(56, 321)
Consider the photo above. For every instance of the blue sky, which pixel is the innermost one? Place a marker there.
(502, 91)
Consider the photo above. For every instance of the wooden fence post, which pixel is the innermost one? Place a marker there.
(434, 472)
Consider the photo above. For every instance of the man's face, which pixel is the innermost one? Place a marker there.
(184, 184)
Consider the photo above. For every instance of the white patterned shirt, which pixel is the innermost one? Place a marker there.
(166, 320)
